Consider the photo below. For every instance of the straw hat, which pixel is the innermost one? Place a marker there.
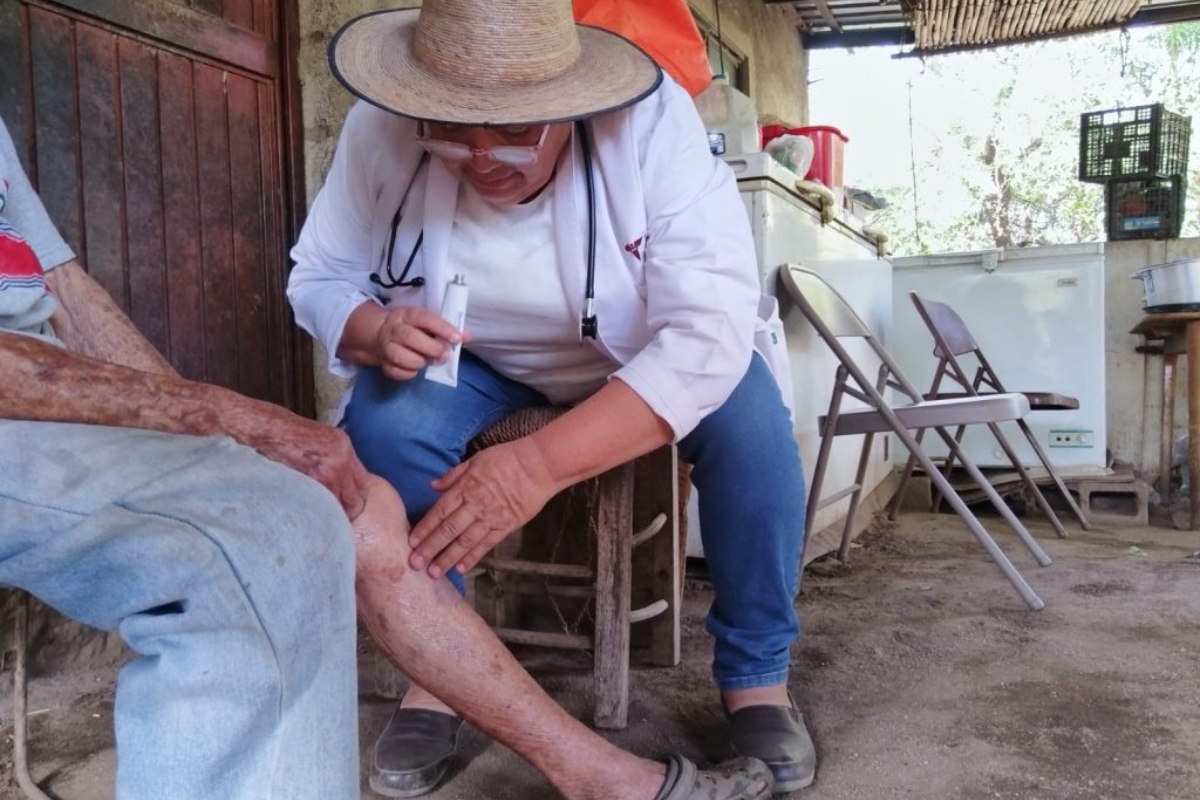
(489, 62)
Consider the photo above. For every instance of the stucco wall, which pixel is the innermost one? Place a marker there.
(1135, 380)
(777, 74)
(325, 104)
(778, 64)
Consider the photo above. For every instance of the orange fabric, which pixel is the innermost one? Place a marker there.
(663, 28)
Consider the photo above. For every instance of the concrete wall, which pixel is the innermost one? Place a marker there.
(778, 72)
(325, 104)
(1135, 380)
(778, 64)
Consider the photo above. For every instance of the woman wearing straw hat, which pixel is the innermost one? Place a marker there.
(610, 269)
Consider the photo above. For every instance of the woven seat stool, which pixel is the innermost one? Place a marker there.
(588, 534)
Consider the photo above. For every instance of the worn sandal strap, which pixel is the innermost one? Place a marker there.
(740, 779)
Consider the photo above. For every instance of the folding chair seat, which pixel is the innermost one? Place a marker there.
(834, 320)
(953, 340)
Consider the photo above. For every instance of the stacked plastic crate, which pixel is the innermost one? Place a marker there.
(1141, 155)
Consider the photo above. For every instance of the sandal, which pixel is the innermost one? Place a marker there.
(739, 779)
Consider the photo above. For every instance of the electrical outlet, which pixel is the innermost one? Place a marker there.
(1072, 438)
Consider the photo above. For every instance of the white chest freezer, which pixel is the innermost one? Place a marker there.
(1037, 314)
(787, 230)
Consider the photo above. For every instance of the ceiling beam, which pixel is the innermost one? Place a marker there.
(1164, 15)
(869, 37)
(827, 15)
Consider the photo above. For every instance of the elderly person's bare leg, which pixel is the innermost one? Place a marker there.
(426, 626)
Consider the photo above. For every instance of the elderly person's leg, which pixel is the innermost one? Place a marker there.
(229, 575)
(750, 486)
(426, 626)
(410, 432)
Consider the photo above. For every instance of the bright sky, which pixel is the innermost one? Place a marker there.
(866, 94)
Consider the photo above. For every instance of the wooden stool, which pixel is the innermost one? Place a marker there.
(578, 552)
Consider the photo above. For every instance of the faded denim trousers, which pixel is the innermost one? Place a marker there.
(230, 576)
(746, 470)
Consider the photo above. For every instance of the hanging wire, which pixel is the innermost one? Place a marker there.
(720, 39)
(912, 161)
(1126, 40)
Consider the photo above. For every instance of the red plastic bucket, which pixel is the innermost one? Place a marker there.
(828, 151)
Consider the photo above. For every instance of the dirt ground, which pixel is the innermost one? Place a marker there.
(920, 672)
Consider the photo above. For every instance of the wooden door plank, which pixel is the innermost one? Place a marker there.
(101, 162)
(246, 200)
(56, 174)
(178, 26)
(143, 190)
(212, 146)
(281, 364)
(181, 215)
(240, 13)
(213, 7)
(14, 102)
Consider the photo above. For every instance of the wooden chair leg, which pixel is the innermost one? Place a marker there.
(662, 553)
(20, 701)
(613, 596)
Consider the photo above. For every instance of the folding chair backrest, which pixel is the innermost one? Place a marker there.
(830, 307)
(834, 319)
(947, 327)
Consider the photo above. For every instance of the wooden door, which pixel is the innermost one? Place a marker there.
(156, 132)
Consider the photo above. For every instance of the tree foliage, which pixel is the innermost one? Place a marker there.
(1008, 176)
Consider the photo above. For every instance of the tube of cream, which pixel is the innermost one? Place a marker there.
(454, 311)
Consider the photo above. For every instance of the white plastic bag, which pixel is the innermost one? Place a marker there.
(793, 151)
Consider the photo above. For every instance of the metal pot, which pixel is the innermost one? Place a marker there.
(1174, 286)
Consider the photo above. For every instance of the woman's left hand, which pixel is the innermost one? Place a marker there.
(484, 499)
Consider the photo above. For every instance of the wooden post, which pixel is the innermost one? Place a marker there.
(1193, 358)
(1166, 434)
(614, 534)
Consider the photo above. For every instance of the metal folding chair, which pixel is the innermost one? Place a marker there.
(834, 320)
(952, 340)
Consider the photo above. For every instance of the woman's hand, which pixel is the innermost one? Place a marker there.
(409, 338)
(484, 499)
(400, 341)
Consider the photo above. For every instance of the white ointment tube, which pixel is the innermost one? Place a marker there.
(454, 311)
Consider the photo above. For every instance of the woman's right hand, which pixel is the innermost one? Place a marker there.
(401, 341)
(409, 338)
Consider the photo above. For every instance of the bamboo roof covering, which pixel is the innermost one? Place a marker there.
(933, 26)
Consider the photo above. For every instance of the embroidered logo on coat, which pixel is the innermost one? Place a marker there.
(635, 247)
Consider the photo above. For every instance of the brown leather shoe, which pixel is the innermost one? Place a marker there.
(777, 736)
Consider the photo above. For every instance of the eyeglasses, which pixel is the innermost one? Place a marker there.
(513, 155)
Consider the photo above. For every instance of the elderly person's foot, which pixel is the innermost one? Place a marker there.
(765, 724)
(740, 779)
(415, 749)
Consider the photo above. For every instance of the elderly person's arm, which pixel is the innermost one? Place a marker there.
(46, 383)
(90, 323)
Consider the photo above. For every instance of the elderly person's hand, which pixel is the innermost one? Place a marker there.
(484, 499)
(321, 452)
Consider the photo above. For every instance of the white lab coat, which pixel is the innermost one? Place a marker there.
(678, 302)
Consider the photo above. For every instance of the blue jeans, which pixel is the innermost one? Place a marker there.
(232, 578)
(746, 469)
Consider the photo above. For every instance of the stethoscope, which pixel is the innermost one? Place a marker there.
(588, 327)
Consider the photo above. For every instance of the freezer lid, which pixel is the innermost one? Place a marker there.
(992, 260)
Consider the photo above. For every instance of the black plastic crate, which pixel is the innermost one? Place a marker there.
(1137, 142)
(1150, 208)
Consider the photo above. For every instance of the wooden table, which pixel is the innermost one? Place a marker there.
(1180, 333)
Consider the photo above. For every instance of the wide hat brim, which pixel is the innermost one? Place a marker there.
(372, 56)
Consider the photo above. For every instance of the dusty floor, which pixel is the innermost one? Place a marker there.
(920, 672)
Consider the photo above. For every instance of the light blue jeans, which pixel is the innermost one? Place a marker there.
(232, 577)
(746, 469)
